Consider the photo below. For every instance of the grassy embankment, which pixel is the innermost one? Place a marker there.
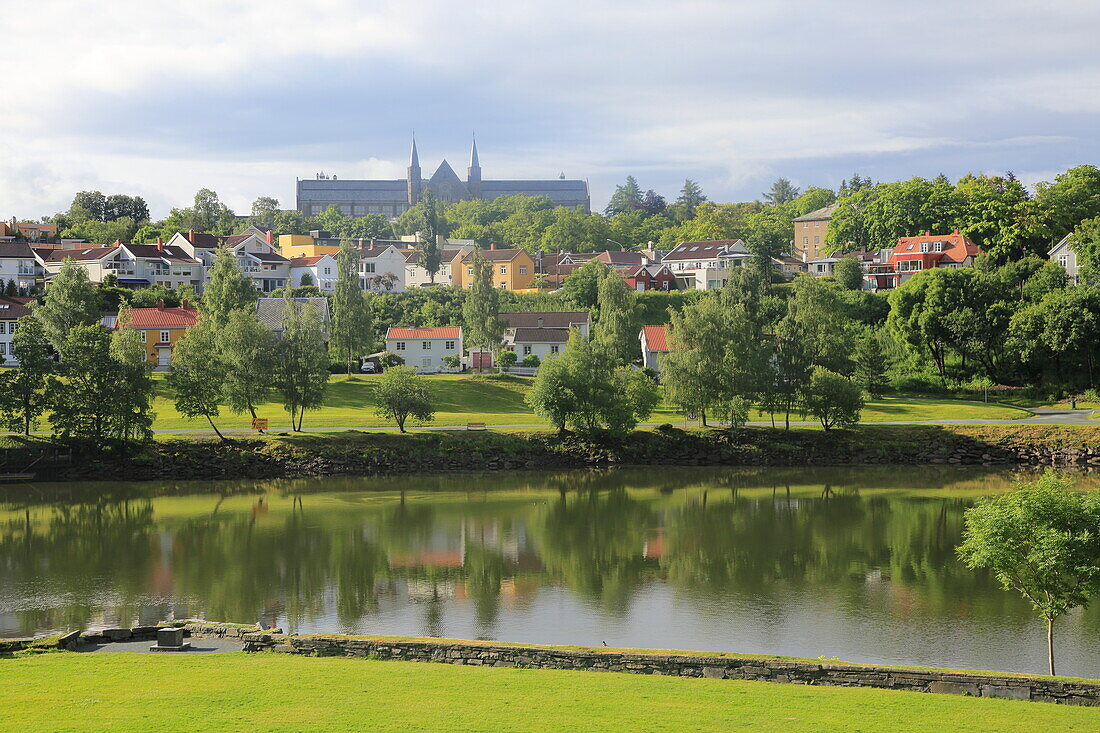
(463, 399)
(232, 691)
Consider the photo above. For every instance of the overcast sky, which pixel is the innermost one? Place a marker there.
(162, 98)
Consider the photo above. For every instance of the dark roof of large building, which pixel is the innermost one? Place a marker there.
(563, 319)
(84, 254)
(706, 249)
(541, 335)
(823, 214)
(12, 308)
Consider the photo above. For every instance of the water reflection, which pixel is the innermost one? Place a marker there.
(851, 563)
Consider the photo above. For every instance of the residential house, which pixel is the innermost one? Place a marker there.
(789, 266)
(11, 310)
(650, 277)
(134, 265)
(382, 268)
(706, 265)
(424, 349)
(542, 334)
(809, 233)
(28, 231)
(161, 329)
(258, 257)
(18, 264)
(512, 269)
(925, 252)
(1065, 255)
(270, 311)
(654, 344)
(417, 276)
(320, 269)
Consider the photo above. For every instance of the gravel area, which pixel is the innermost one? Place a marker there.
(198, 646)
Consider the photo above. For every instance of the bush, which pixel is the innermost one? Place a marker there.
(454, 361)
(833, 399)
(532, 361)
(507, 359)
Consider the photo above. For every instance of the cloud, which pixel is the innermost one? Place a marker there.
(161, 98)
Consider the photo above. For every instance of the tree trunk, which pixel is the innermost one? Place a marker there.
(703, 415)
(1050, 644)
(220, 436)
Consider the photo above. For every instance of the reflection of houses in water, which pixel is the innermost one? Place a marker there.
(654, 546)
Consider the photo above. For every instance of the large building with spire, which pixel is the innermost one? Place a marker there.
(392, 198)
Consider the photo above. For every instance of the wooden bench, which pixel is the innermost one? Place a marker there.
(475, 426)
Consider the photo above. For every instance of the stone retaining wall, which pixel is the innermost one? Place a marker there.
(712, 667)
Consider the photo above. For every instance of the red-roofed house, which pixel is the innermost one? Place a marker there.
(320, 268)
(654, 343)
(161, 328)
(424, 349)
(925, 252)
(257, 255)
(650, 277)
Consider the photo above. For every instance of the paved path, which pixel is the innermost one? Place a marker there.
(198, 646)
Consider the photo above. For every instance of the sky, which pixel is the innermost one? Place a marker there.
(159, 99)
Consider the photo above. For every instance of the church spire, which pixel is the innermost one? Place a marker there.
(414, 159)
(413, 181)
(473, 173)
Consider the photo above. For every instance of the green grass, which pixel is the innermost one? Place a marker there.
(461, 399)
(228, 692)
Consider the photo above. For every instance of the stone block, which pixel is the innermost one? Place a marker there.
(69, 641)
(1014, 692)
(714, 673)
(955, 688)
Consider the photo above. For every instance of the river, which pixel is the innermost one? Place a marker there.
(857, 564)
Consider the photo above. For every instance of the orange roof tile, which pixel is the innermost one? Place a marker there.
(166, 318)
(434, 332)
(655, 338)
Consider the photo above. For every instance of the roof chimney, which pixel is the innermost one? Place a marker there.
(160, 240)
(622, 249)
(160, 305)
(955, 232)
(270, 237)
(492, 246)
(118, 242)
(191, 236)
(540, 321)
(186, 305)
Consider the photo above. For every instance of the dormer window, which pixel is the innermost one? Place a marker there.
(925, 247)
(937, 247)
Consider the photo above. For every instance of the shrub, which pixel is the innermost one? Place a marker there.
(532, 361)
(507, 359)
(833, 399)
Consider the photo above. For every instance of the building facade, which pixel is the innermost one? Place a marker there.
(705, 265)
(11, 310)
(1065, 256)
(809, 234)
(19, 265)
(654, 341)
(391, 198)
(424, 349)
(513, 269)
(161, 328)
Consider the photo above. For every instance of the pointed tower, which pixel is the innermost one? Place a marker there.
(473, 173)
(413, 179)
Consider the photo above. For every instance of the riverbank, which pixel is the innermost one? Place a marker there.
(366, 453)
(287, 692)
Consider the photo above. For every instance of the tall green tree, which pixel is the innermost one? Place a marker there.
(351, 319)
(617, 327)
(401, 393)
(434, 226)
(849, 273)
(302, 365)
(871, 364)
(581, 288)
(198, 374)
(264, 210)
(833, 399)
(23, 397)
(71, 301)
(248, 351)
(1041, 541)
(781, 192)
(627, 197)
(691, 195)
(481, 309)
(133, 405)
(227, 289)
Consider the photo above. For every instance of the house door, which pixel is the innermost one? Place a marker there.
(164, 357)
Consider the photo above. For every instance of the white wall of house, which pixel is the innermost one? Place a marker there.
(389, 262)
(323, 273)
(543, 351)
(426, 355)
(22, 270)
(7, 329)
(1065, 257)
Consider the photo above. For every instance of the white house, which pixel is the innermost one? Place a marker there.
(1065, 256)
(654, 345)
(542, 334)
(134, 265)
(11, 310)
(706, 265)
(258, 256)
(424, 349)
(18, 265)
(321, 270)
(382, 269)
(416, 275)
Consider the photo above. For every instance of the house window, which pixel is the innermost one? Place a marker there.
(805, 241)
(925, 247)
(143, 337)
(503, 286)
(328, 270)
(1063, 260)
(817, 240)
(165, 337)
(937, 247)
(526, 350)
(426, 345)
(426, 361)
(523, 269)
(368, 267)
(3, 347)
(470, 271)
(399, 346)
(3, 326)
(449, 345)
(817, 224)
(554, 349)
(504, 269)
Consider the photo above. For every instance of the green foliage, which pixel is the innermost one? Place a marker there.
(532, 361)
(781, 192)
(833, 399)
(581, 288)
(1041, 541)
(452, 361)
(198, 374)
(483, 328)
(351, 317)
(871, 364)
(301, 370)
(617, 327)
(627, 197)
(227, 289)
(23, 398)
(1086, 244)
(582, 388)
(247, 350)
(401, 393)
(849, 273)
(132, 405)
(507, 359)
(72, 301)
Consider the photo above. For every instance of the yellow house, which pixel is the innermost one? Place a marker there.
(161, 328)
(303, 245)
(513, 269)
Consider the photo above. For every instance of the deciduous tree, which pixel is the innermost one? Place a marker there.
(401, 393)
(197, 377)
(351, 320)
(72, 301)
(23, 397)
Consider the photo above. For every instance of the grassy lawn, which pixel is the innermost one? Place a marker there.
(463, 398)
(144, 692)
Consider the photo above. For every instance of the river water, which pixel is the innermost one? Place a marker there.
(857, 564)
